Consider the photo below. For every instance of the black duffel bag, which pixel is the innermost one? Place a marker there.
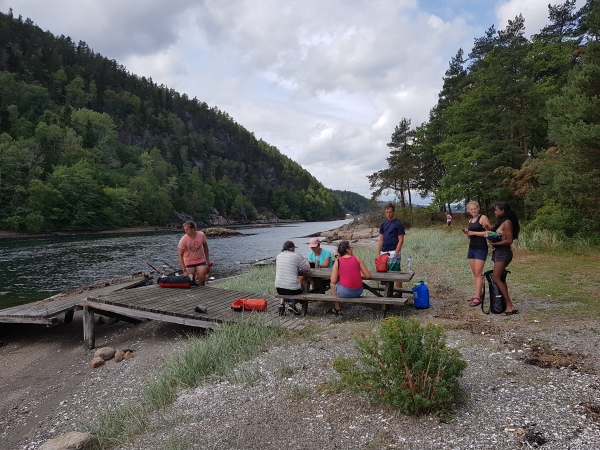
(181, 282)
(497, 300)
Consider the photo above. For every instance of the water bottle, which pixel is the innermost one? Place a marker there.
(409, 264)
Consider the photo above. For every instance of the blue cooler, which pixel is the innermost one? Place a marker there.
(421, 295)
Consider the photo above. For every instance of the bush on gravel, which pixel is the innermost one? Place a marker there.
(407, 366)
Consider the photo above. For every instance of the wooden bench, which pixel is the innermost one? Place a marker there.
(305, 298)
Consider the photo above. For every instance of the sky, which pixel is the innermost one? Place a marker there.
(325, 81)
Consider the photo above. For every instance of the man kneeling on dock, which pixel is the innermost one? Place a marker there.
(193, 253)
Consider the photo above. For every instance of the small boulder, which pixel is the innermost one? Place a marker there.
(96, 362)
(119, 356)
(128, 355)
(71, 441)
(105, 353)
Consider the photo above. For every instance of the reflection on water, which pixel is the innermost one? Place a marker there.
(35, 268)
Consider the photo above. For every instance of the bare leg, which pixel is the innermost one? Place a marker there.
(477, 268)
(502, 287)
(336, 305)
(198, 273)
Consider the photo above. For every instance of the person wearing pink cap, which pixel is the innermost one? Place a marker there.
(320, 256)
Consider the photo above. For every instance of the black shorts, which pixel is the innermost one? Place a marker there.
(502, 254)
(283, 291)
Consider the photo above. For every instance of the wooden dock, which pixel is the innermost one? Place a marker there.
(146, 302)
(178, 306)
(59, 308)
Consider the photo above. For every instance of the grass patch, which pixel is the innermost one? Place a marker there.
(215, 355)
(566, 280)
(259, 280)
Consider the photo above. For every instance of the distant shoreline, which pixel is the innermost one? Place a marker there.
(142, 229)
(139, 229)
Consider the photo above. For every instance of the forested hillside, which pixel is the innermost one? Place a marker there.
(85, 145)
(518, 120)
(354, 203)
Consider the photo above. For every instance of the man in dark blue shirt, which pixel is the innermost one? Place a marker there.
(391, 235)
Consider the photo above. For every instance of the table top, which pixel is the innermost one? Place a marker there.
(385, 277)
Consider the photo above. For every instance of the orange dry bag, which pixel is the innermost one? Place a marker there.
(381, 263)
(249, 304)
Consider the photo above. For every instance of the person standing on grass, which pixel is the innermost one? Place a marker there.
(391, 236)
(448, 219)
(193, 253)
(287, 265)
(478, 247)
(347, 275)
(508, 227)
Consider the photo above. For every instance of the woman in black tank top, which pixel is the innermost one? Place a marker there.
(478, 248)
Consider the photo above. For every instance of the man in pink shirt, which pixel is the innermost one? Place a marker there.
(193, 253)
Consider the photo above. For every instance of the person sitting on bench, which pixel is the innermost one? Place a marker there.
(287, 265)
(347, 275)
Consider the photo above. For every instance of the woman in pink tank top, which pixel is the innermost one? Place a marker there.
(347, 275)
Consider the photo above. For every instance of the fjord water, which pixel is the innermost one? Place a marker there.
(32, 269)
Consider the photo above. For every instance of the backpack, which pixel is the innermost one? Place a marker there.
(497, 301)
(381, 263)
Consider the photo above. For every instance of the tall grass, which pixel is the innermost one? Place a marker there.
(259, 280)
(202, 358)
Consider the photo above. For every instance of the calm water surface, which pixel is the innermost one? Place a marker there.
(35, 268)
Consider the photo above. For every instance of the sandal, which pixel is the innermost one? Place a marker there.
(512, 313)
(334, 311)
(475, 301)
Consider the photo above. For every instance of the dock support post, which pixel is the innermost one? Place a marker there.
(69, 315)
(89, 339)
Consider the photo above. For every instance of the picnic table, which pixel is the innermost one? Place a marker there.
(382, 295)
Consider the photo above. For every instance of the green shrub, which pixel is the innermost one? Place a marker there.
(407, 366)
(11, 223)
(34, 222)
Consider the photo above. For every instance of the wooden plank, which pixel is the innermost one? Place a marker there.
(334, 298)
(32, 320)
(148, 315)
(385, 277)
(44, 310)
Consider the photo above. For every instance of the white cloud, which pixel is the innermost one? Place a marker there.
(325, 82)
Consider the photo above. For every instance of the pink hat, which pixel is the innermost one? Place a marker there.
(314, 242)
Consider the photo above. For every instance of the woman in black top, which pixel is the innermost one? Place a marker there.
(508, 227)
(478, 247)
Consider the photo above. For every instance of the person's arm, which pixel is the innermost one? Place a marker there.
(380, 244)
(180, 257)
(476, 233)
(363, 269)
(335, 276)
(302, 263)
(206, 255)
(400, 243)
(485, 223)
(506, 231)
(326, 262)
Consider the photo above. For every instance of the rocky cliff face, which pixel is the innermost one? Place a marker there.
(365, 226)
